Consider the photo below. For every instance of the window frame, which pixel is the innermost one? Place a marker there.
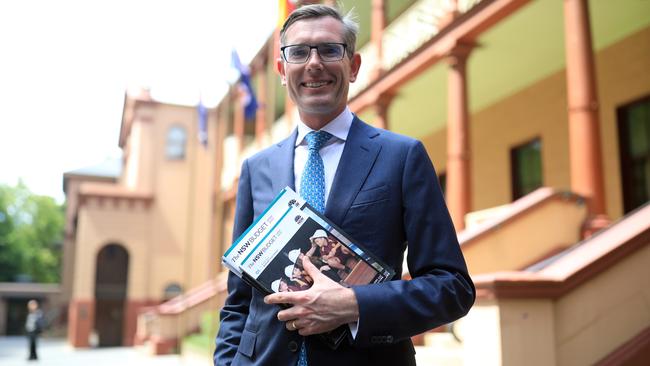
(516, 183)
(179, 142)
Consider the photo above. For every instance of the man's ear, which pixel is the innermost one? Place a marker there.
(355, 64)
(279, 66)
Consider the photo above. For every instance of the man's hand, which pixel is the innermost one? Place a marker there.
(321, 308)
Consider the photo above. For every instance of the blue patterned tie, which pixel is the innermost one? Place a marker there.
(312, 188)
(312, 183)
(302, 359)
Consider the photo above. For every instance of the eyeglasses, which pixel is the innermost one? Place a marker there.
(300, 53)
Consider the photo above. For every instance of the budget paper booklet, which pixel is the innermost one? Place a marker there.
(270, 251)
(269, 254)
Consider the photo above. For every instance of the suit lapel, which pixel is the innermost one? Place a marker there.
(281, 164)
(358, 157)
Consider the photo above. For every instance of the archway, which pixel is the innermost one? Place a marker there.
(110, 294)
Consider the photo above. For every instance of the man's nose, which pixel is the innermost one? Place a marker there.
(314, 58)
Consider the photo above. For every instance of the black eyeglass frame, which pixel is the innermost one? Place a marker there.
(311, 47)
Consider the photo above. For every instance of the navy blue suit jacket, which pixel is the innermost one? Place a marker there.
(386, 196)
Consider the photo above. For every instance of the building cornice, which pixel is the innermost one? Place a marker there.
(115, 197)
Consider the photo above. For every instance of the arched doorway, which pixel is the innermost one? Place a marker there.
(110, 294)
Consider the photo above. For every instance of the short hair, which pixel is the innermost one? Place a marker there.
(350, 25)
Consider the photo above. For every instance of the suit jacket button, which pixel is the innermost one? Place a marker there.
(293, 346)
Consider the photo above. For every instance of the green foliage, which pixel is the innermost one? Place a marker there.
(203, 342)
(31, 235)
(199, 343)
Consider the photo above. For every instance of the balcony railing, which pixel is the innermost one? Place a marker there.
(404, 35)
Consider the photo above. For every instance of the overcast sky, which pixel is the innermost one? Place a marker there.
(65, 65)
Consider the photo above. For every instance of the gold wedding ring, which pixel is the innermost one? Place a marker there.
(293, 325)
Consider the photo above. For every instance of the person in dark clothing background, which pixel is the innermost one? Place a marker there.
(34, 327)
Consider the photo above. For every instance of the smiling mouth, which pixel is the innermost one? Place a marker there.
(316, 84)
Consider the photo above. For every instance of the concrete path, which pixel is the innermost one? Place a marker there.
(56, 352)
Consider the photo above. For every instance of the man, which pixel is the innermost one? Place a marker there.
(379, 187)
(33, 327)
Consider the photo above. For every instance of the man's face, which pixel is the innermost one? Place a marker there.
(319, 89)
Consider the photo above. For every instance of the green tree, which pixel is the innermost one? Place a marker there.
(9, 255)
(31, 233)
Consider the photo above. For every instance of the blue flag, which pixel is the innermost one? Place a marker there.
(203, 123)
(250, 102)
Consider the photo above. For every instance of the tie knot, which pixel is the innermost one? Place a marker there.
(316, 139)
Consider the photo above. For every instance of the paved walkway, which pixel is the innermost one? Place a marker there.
(56, 352)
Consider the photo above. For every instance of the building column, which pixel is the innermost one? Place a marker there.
(81, 322)
(458, 141)
(238, 123)
(382, 104)
(260, 116)
(217, 193)
(288, 112)
(584, 132)
(377, 25)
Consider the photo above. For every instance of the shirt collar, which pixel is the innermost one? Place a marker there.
(339, 127)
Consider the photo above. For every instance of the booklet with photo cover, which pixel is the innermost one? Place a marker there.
(268, 255)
